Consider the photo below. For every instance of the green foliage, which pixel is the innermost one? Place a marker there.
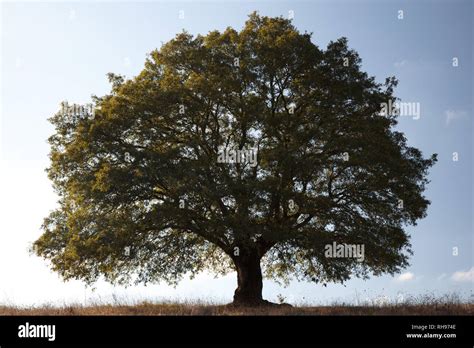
(153, 144)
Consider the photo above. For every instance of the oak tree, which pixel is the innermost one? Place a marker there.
(145, 198)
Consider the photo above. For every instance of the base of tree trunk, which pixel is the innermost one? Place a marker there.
(259, 303)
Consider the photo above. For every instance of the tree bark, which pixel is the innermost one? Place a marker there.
(249, 280)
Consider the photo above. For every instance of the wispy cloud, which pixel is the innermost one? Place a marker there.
(442, 276)
(452, 115)
(401, 63)
(463, 276)
(405, 277)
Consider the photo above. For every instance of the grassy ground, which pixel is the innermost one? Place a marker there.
(178, 309)
(414, 306)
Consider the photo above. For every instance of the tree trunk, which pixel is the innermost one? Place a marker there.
(249, 280)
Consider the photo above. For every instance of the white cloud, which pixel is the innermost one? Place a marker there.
(442, 276)
(452, 115)
(404, 277)
(401, 63)
(461, 276)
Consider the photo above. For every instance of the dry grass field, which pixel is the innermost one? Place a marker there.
(424, 305)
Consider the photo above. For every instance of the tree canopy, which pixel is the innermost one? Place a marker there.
(145, 198)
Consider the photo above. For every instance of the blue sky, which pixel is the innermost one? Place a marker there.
(54, 51)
